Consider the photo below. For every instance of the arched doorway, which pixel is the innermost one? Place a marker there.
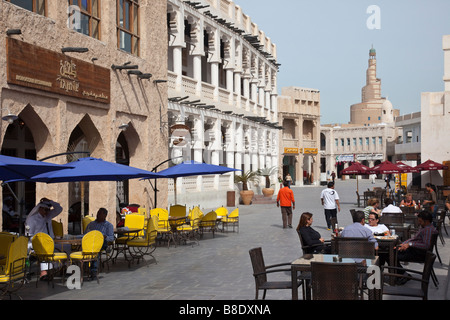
(18, 142)
(84, 140)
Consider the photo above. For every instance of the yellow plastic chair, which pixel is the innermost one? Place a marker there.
(132, 221)
(13, 273)
(177, 211)
(44, 250)
(142, 211)
(164, 228)
(157, 211)
(6, 239)
(91, 244)
(221, 212)
(208, 222)
(140, 247)
(231, 220)
(58, 229)
(86, 220)
(190, 231)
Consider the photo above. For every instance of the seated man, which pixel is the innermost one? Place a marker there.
(107, 229)
(358, 230)
(389, 207)
(415, 249)
(375, 226)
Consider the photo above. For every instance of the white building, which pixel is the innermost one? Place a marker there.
(222, 83)
(435, 119)
(342, 144)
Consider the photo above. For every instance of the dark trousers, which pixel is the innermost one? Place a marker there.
(94, 264)
(410, 255)
(330, 213)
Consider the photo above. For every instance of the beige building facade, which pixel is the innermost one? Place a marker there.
(299, 115)
(435, 119)
(83, 97)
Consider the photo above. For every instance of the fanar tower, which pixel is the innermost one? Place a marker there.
(374, 109)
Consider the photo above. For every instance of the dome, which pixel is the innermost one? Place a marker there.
(387, 105)
(372, 52)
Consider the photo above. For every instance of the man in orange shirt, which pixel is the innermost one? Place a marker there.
(285, 198)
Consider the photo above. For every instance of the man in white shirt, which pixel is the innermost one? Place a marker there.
(374, 225)
(330, 202)
(390, 208)
(40, 220)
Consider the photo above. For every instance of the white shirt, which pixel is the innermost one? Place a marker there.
(381, 228)
(329, 197)
(391, 209)
(38, 223)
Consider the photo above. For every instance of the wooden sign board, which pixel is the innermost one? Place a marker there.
(43, 69)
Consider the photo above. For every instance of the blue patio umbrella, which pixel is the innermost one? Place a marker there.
(93, 169)
(193, 168)
(12, 168)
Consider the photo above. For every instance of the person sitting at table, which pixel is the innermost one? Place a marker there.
(357, 229)
(310, 236)
(40, 220)
(408, 201)
(389, 207)
(375, 226)
(372, 206)
(107, 229)
(415, 249)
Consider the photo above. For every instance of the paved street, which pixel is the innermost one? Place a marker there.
(219, 268)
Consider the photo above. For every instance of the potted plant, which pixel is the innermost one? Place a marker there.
(246, 194)
(267, 172)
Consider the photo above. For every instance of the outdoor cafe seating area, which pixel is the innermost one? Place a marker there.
(345, 272)
(141, 234)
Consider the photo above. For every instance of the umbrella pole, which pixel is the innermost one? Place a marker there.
(82, 206)
(175, 189)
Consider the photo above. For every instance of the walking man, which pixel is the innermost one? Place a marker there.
(285, 198)
(330, 202)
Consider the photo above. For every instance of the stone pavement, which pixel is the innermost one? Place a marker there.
(219, 268)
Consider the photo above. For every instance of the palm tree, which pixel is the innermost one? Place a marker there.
(267, 172)
(249, 176)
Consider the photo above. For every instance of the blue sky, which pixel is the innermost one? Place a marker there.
(324, 44)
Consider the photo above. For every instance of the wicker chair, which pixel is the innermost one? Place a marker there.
(392, 218)
(316, 248)
(357, 249)
(260, 271)
(335, 244)
(334, 281)
(421, 292)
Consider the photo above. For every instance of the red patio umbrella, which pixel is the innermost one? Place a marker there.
(431, 165)
(407, 167)
(357, 169)
(387, 167)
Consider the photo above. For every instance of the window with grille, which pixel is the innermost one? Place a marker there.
(88, 21)
(128, 25)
